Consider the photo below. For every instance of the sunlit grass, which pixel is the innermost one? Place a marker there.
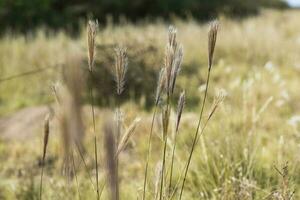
(257, 65)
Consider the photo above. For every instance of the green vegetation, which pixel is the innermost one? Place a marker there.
(254, 131)
(25, 14)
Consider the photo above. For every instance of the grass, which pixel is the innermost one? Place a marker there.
(246, 144)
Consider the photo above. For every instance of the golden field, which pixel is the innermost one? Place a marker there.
(253, 134)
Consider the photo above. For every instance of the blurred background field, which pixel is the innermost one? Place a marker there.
(257, 64)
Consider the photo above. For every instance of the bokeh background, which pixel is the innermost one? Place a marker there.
(25, 15)
(49, 27)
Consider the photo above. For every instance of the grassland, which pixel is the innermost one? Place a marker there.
(255, 130)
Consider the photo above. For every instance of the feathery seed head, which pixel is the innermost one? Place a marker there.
(180, 106)
(54, 87)
(169, 60)
(219, 98)
(120, 68)
(172, 37)
(176, 68)
(92, 27)
(46, 136)
(118, 116)
(212, 38)
(129, 132)
(160, 85)
(165, 121)
(173, 60)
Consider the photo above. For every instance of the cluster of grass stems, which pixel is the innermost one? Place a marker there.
(69, 97)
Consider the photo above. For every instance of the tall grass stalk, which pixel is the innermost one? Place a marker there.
(159, 89)
(218, 99)
(212, 36)
(121, 64)
(76, 178)
(148, 153)
(97, 176)
(124, 141)
(173, 60)
(180, 107)
(195, 137)
(80, 153)
(91, 36)
(46, 139)
(165, 120)
(163, 169)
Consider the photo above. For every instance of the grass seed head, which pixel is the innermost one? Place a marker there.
(92, 27)
(129, 132)
(212, 38)
(180, 106)
(165, 121)
(172, 37)
(121, 63)
(173, 60)
(169, 59)
(161, 84)
(46, 135)
(219, 98)
(176, 68)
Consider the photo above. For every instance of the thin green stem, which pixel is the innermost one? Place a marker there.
(195, 136)
(41, 181)
(172, 161)
(163, 169)
(102, 188)
(85, 165)
(118, 141)
(201, 132)
(165, 137)
(76, 178)
(94, 128)
(97, 176)
(92, 99)
(149, 152)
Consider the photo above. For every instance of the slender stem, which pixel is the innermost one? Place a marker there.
(149, 152)
(163, 169)
(97, 179)
(176, 186)
(85, 165)
(118, 141)
(93, 110)
(41, 181)
(76, 178)
(165, 148)
(102, 188)
(195, 136)
(92, 99)
(94, 128)
(172, 161)
(201, 132)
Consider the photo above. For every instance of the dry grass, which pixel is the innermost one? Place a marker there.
(257, 127)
